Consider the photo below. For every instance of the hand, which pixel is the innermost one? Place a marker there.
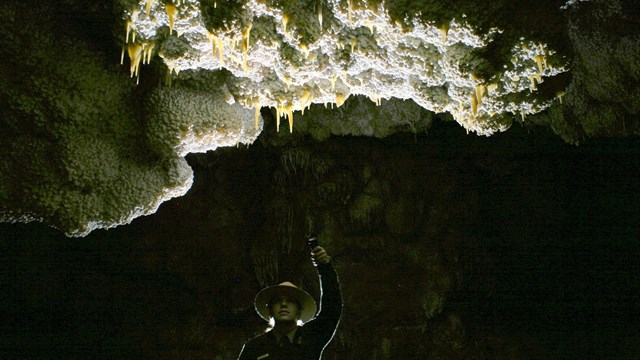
(320, 255)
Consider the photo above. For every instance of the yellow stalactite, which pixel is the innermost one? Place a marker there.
(245, 47)
(150, 52)
(353, 44)
(149, 4)
(143, 52)
(474, 104)
(122, 56)
(480, 90)
(289, 110)
(305, 50)
(532, 78)
(444, 33)
(345, 78)
(135, 54)
(213, 39)
(340, 99)
(320, 15)
(128, 27)
(370, 25)
(285, 21)
(246, 33)
(350, 10)
(306, 99)
(216, 44)
(220, 48)
(147, 52)
(287, 81)
(333, 82)
(171, 13)
(540, 59)
(286, 111)
(134, 51)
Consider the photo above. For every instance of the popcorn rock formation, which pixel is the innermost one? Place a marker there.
(289, 55)
(94, 128)
(79, 151)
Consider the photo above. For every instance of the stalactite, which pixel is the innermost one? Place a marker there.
(295, 159)
(283, 213)
(171, 13)
(320, 167)
(364, 210)
(281, 180)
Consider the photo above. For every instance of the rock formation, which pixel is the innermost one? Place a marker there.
(93, 144)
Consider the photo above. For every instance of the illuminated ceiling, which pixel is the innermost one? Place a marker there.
(89, 143)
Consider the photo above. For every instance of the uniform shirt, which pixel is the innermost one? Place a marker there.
(309, 340)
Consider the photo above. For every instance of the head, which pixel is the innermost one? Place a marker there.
(285, 303)
(285, 309)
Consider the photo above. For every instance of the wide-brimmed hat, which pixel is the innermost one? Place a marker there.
(307, 304)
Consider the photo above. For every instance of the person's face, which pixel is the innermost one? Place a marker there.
(285, 309)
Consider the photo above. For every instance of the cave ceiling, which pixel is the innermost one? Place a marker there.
(101, 101)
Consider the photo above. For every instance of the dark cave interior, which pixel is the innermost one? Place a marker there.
(539, 239)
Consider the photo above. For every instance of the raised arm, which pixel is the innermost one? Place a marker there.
(243, 355)
(330, 295)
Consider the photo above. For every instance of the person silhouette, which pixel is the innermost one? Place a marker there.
(297, 332)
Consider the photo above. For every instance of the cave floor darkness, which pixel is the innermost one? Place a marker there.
(559, 223)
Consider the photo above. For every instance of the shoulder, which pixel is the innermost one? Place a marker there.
(260, 339)
(256, 346)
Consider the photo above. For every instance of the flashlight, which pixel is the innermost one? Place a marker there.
(312, 242)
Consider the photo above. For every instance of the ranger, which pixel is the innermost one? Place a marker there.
(297, 333)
